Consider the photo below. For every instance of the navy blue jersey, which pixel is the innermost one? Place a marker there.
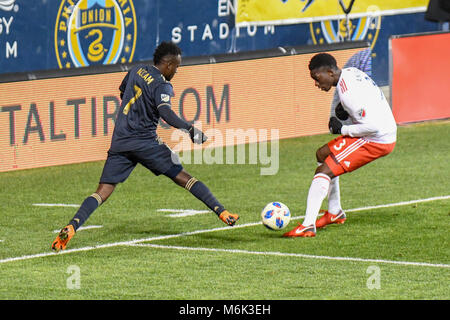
(143, 90)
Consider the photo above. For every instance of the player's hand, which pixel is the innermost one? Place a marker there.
(197, 136)
(335, 125)
(341, 114)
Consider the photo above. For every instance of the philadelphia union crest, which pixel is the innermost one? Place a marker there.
(331, 31)
(94, 32)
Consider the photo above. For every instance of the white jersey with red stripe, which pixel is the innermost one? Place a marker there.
(367, 107)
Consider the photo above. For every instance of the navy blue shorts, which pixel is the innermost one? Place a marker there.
(159, 159)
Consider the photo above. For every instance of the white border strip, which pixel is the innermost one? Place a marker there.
(297, 255)
(136, 241)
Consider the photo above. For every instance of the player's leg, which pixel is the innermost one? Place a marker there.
(86, 209)
(318, 191)
(348, 154)
(329, 154)
(160, 159)
(117, 168)
(334, 213)
(202, 192)
(334, 197)
(91, 203)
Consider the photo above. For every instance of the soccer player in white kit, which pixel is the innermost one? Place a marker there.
(371, 135)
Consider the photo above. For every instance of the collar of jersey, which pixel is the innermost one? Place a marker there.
(160, 73)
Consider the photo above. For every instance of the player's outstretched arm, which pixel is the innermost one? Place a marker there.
(358, 130)
(166, 112)
(197, 136)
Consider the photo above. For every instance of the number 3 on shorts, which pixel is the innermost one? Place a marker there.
(337, 148)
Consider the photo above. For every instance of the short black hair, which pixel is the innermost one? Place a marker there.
(322, 60)
(165, 49)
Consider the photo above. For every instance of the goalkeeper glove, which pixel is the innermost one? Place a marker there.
(197, 136)
(335, 125)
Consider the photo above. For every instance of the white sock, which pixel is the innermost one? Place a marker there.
(334, 197)
(317, 193)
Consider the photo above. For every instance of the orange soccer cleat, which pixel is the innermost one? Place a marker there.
(63, 238)
(329, 218)
(301, 231)
(229, 218)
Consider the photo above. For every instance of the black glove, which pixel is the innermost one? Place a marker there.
(197, 136)
(335, 125)
(341, 114)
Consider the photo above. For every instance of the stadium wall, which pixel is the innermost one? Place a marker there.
(38, 35)
(419, 77)
(67, 116)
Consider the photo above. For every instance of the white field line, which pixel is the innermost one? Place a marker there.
(297, 255)
(82, 228)
(56, 205)
(136, 241)
(404, 203)
(178, 213)
(126, 243)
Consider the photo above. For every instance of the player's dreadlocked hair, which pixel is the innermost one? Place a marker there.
(322, 60)
(164, 49)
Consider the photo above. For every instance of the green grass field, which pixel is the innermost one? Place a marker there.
(394, 252)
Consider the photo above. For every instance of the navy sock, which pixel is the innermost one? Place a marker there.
(201, 192)
(87, 207)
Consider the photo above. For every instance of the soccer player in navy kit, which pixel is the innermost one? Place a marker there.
(146, 96)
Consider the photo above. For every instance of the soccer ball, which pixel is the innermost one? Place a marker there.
(275, 216)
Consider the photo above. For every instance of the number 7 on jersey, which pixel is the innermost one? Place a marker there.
(137, 94)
